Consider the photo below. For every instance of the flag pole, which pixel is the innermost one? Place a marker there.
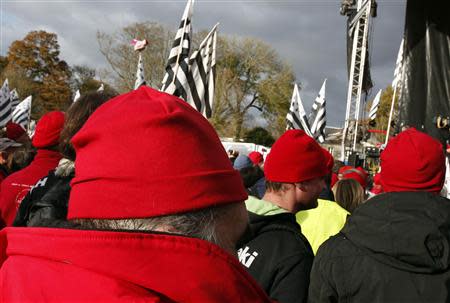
(390, 115)
(177, 62)
(208, 35)
(29, 115)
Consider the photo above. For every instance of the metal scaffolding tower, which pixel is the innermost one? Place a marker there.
(359, 30)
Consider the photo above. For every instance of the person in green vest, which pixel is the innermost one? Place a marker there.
(324, 221)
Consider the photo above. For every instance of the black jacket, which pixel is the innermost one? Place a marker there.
(47, 202)
(278, 256)
(394, 248)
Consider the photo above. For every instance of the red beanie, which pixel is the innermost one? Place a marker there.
(256, 157)
(334, 179)
(329, 160)
(295, 157)
(14, 130)
(377, 188)
(146, 154)
(48, 129)
(413, 161)
(358, 174)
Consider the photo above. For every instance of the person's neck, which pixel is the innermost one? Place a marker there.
(279, 199)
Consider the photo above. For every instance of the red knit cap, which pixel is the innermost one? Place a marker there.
(330, 160)
(256, 157)
(48, 130)
(413, 161)
(14, 130)
(146, 154)
(358, 174)
(295, 157)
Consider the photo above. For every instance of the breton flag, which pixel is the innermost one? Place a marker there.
(14, 99)
(374, 107)
(22, 114)
(201, 75)
(296, 117)
(178, 63)
(398, 66)
(101, 88)
(139, 46)
(140, 77)
(5, 104)
(77, 96)
(317, 118)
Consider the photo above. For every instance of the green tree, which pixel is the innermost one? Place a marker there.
(259, 135)
(250, 74)
(384, 108)
(37, 56)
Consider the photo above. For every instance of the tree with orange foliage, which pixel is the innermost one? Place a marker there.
(37, 55)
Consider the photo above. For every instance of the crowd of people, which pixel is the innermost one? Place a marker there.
(133, 198)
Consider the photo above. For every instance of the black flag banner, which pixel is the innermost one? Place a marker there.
(425, 82)
(178, 63)
(202, 74)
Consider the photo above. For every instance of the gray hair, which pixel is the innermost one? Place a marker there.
(197, 224)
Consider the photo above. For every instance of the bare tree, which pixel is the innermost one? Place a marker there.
(123, 59)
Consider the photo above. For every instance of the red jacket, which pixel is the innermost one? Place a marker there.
(15, 187)
(61, 265)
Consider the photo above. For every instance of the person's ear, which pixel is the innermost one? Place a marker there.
(301, 185)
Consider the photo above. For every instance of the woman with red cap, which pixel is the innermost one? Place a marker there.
(15, 187)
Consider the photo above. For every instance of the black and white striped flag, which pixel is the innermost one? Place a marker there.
(140, 76)
(374, 107)
(22, 113)
(177, 69)
(296, 117)
(398, 66)
(5, 104)
(201, 75)
(318, 115)
(14, 98)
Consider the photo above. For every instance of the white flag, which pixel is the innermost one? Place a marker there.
(140, 77)
(14, 98)
(318, 115)
(101, 88)
(178, 63)
(77, 96)
(398, 66)
(374, 107)
(22, 113)
(296, 117)
(201, 75)
(5, 104)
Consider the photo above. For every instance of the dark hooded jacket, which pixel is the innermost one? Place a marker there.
(394, 248)
(278, 256)
(46, 203)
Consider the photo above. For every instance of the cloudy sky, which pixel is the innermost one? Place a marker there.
(308, 34)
